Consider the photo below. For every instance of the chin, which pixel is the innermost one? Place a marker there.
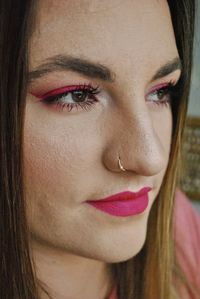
(122, 247)
(117, 252)
(124, 255)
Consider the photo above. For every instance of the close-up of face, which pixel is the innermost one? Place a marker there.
(102, 75)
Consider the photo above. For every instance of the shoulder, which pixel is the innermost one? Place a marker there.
(187, 237)
(186, 223)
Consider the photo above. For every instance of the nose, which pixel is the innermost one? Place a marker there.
(139, 142)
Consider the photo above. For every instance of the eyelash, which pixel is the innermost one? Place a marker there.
(168, 92)
(87, 90)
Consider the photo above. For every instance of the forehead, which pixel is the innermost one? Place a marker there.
(112, 32)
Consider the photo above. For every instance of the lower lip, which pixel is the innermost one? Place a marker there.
(122, 208)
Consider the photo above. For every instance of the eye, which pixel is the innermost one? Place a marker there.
(80, 95)
(70, 97)
(162, 94)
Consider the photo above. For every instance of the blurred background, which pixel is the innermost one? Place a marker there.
(190, 174)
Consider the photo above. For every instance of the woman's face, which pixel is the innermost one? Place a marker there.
(122, 109)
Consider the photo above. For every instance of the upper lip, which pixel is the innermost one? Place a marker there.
(127, 195)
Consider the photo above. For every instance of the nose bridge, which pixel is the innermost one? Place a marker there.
(139, 144)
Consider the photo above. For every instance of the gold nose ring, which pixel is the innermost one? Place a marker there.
(120, 165)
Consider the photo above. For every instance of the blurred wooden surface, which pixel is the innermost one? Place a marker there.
(190, 174)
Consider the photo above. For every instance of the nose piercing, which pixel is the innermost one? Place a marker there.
(120, 165)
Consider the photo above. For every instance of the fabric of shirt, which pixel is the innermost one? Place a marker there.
(186, 232)
(187, 242)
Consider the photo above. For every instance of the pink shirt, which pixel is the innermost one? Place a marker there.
(187, 240)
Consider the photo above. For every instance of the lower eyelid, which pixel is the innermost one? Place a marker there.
(58, 104)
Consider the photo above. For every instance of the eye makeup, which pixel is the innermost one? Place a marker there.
(162, 94)
(70, 97)
(84, 96)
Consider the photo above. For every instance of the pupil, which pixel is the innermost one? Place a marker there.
(161, 94)
(79, 96)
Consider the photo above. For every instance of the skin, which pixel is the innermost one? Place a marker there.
(71, 157)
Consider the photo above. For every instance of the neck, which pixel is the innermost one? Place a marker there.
(67, 276)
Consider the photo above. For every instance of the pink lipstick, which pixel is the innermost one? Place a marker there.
(123, 204)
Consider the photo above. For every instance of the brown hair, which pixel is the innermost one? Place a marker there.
(16, 275)
(148, 275)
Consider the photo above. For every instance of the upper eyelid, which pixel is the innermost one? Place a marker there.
(110, 90)
(160, 86)
(63, 90)
(165, 82)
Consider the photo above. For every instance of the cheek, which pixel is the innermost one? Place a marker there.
(162, 124)
(56, 162)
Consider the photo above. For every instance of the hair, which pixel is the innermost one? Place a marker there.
(149, 274)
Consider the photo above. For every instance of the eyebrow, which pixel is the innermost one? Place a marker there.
(70, 63)
(168, 68)
(91, 69)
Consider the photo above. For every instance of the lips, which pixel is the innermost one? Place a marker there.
(123, 204)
